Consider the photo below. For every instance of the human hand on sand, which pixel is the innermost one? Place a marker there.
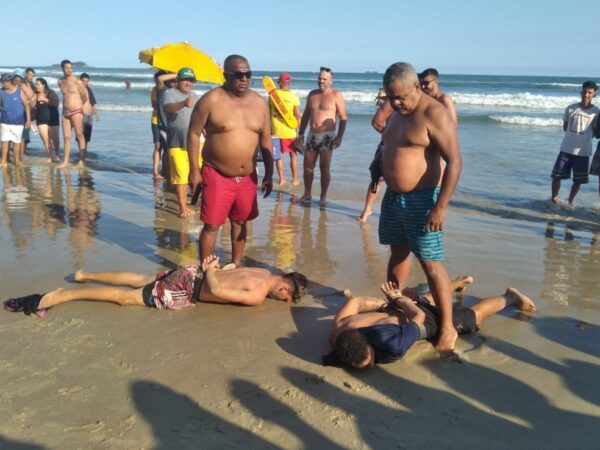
(211, 262)
(435, 219)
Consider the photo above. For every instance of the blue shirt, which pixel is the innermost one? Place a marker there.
(390, 342)
(13, 110)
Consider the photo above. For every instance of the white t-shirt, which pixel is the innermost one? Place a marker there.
(580, 129)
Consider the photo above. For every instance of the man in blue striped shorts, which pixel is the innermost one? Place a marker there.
(419, 135)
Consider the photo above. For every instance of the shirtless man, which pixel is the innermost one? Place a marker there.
(378, 122)
(236, 121)
(429, 83)
(369, 331)
(74, 97)
(413, 210)
(21, 80)
(173, 289)
(323, 107)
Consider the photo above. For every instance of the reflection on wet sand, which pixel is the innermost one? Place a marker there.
(175, 244)
(283, 234)
(83, 212)
(313, 253)
(570, 267)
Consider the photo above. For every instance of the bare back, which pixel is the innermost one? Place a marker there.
(411, 154)
(233, 130)
(247, 279)
(71, 88)
(323, 108)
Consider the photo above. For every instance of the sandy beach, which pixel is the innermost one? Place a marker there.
(106, 377)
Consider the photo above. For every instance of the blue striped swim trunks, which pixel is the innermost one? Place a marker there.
(403, 218)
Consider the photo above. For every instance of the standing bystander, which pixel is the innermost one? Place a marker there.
(413, 210)
(579, 121)
(179, 103)
(14, 117)
(89, 110)
(74, 97)
(281, 129)
(323, 107)
(236, 122)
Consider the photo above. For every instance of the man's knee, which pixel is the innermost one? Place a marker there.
(433, 268)
(209, 228)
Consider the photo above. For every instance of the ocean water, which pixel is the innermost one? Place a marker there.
(510, 129)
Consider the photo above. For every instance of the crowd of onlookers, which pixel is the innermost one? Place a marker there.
(28, 104)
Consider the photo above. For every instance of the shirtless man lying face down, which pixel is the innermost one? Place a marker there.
(174, 289)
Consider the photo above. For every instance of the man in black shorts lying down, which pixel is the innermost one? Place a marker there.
(174, 289)
(369, 331)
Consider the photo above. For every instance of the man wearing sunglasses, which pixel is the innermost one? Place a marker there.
(236, 122)
(418, 135)
(323, 107)
(429, 79)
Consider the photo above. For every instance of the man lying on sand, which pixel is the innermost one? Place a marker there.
(369, 331)
(174, 289)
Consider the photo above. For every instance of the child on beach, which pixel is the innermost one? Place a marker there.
(369, 331)
(174, 289)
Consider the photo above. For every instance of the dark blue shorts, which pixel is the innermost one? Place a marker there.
(565, 163)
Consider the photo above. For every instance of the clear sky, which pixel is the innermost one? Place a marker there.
(520, 37)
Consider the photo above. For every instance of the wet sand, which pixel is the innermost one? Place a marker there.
(100, 376)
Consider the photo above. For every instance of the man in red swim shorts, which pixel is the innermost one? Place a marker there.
(236, 121)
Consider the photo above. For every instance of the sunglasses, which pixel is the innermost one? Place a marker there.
(325, 69)
(239, 75)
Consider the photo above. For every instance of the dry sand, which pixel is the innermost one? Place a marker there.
(106, 377)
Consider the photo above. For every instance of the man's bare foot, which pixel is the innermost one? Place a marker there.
(446, 340)
(158, 176)
(363, 217)
(80, 163)
(48, 160)
(295, 182)
(187, 212)
(459, 284)
(47, 301)
(304, 200)
(555, 200)
(323, 202)
(63, 165)
(282, 182)
(3, 164)
(80, 276)
(521, 301)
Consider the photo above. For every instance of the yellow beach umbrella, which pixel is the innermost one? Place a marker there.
(173, 57)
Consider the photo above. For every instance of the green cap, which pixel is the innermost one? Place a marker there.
(185, 73)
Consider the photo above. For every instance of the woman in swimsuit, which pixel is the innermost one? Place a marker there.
(47, 117)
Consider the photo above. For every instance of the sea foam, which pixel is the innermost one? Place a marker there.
(529, 121)
(520, 100)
